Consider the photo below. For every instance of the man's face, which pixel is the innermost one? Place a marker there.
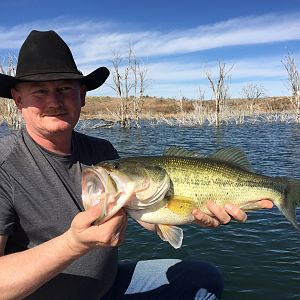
(50, 107)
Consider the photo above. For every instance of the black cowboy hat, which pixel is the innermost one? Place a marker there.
(44, 56)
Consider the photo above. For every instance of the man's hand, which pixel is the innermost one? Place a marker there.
(83, 235)
(219, 215)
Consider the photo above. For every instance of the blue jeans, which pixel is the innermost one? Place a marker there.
(166, 279)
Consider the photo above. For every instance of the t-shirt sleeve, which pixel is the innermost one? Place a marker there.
(103, 150)
(111, 152)
(7, 213)
(93, 150)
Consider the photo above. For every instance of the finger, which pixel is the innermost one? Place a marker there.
(123, 230)
(84, 219)
(118, 225)
(235, 212)
(204, 220)
(117, 221)
(219, 212)
(265, 203)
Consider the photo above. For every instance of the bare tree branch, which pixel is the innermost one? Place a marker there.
(220, 88)
(294, 82)
(129, 84)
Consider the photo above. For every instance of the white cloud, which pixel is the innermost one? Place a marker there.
(181, 71)
(169, 66)
(240, 31)
(95, 40)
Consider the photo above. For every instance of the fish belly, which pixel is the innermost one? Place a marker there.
(171, 211)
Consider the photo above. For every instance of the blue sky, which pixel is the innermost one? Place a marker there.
(176, 41)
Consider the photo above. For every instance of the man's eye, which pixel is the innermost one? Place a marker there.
(40, 92)
(66, 89)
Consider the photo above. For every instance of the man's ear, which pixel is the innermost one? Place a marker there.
(17, 98)
(82, 94)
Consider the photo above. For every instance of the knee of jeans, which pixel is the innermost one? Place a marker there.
(209, 278)
(202, 275)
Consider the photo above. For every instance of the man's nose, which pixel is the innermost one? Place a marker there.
(55, 98)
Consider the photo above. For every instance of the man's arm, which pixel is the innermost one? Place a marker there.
(24, 272)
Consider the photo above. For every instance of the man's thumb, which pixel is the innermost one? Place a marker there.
(87, 217)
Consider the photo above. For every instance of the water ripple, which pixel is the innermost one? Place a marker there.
(259, 259)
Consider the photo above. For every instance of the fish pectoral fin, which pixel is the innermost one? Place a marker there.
(171, 234)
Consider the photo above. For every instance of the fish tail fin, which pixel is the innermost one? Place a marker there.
(171, 234)
(288, 208)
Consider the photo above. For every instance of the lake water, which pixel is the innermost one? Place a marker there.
(259, 259)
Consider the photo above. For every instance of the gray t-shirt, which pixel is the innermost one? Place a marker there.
(40, 193)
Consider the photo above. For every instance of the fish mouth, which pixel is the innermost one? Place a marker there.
(98, 187)
(93, 187)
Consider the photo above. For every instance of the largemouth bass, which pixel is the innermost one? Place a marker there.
(163, 190)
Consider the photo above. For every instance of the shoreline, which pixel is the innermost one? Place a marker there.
(155, 108)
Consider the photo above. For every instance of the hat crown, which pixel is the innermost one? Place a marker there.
(44, 52)
(44, 56)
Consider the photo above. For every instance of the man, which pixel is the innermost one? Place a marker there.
(49, 248)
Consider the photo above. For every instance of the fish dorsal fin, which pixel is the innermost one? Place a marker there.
(178, 151)
(233, 155)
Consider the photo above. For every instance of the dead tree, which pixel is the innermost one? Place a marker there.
(220, 89)
(253, 92)
(120, 86)
(199, 107)
(139, 74)
(13, 116)
(129, 84)
(294, 83)
(181, 104)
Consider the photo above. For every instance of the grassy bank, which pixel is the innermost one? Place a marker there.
(157, 108)
(154, 107)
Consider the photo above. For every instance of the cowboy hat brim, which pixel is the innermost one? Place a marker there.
(6, 83)
(91, 81)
